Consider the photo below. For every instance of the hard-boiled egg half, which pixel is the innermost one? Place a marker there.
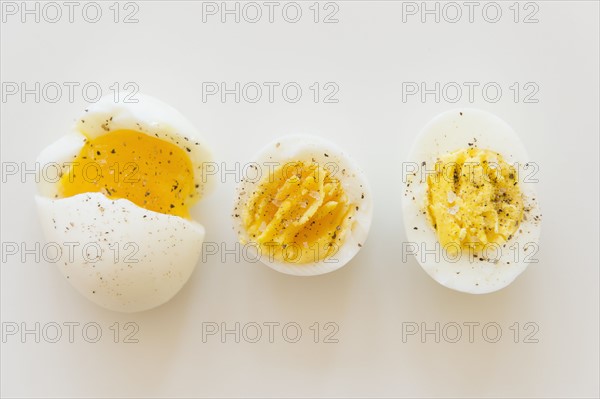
(304, 208)
(470, 209)
(120, 210)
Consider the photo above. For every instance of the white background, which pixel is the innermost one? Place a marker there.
(368, 53)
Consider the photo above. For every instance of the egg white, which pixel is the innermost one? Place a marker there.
(118, 255)
(166, 247)
(448, 132)
(307, 148)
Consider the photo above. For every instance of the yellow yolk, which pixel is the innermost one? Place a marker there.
(152, 173)
(298, 214)
(474, 200)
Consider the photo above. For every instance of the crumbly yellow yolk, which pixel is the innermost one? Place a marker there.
(298, 214)
(152, 173)
(473, 200)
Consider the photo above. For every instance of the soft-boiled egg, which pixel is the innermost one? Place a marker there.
(305, 209)
(470, 209)
(120, 210)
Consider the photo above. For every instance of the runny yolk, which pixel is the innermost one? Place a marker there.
(152, 173)
(298, 214)
(474, 200)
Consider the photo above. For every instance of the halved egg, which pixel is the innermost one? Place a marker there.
(306, 208)
(470, 208)
(120, 211)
